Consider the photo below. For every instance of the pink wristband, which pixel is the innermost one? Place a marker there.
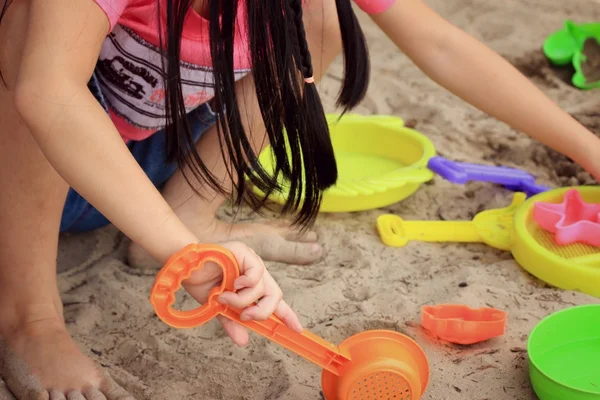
(373, 7)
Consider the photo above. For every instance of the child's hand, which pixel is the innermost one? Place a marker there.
(257, 293)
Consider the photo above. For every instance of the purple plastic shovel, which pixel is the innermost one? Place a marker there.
(461, 173)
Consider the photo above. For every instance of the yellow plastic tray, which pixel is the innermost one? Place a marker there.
(380, 162)
(570, 267)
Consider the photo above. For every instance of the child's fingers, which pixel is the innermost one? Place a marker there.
(267, 305)
(289, 317)
(243, 298)
(237, 333)
(251, 265)
(255, 285)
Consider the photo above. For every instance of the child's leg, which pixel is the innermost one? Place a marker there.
(275, 242)
(36, 351)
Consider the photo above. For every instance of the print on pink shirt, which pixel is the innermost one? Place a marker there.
(129, 72)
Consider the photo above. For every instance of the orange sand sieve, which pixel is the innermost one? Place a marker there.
(372, 365)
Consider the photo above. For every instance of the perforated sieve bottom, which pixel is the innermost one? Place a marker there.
(381, 386)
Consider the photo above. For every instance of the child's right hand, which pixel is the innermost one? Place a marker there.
(257, 293)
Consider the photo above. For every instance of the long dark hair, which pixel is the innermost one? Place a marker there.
(290, 105)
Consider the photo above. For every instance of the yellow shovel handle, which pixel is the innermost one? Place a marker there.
(396, 232)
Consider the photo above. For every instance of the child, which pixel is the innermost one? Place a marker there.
(114, 119)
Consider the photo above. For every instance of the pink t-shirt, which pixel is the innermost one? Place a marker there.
(129, 67)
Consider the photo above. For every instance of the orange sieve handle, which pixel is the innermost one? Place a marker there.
(180, 267)
(192, 258)
(306, 344)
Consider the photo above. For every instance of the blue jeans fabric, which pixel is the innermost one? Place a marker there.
(80, 216)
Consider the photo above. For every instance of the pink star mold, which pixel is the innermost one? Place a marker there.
(572, 221)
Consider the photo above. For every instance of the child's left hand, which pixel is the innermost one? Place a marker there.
(475, 73)
(257, 293)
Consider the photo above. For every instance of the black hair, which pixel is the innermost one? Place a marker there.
(289, 102)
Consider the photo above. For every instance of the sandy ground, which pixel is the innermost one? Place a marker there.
(361, 284)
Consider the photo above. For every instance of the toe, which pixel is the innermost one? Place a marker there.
(94, 394)
(5, 394)
(118, 393)
(304, 237)
(113, 391)
(74, 395)
(276, 248)
(22, 384)
(57, 395)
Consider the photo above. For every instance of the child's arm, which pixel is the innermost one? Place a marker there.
(481, 77)
(82, 144)
(75, 133)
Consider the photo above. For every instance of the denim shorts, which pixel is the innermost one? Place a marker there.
(81, 216)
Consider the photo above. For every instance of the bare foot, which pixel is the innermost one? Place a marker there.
(271, 241)
(40, 361)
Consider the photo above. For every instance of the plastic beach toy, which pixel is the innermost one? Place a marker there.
(461, 173)
(378, 365)
(574, 45)
(571, 267)
(571, 221)
(492, 227)
(561, 46)
(564, 349)
(461, 324)
(587, 65)
(381, 162)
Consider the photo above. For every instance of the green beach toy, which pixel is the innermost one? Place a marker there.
(587, 65)
(579, 45)
(564, 355)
